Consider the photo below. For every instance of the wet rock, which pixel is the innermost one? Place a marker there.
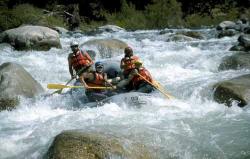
(106, 48)
(179, 38)
(235, 89)
(15, 81)
(237, 61)
(105, 28)
(226, 25)
(80, 145)
(244, 40)
(60, 30)
(237, 48)
(192, 34)
(228, 32)
(31, 38)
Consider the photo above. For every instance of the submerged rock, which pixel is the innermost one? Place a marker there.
(81, 145)
(105, 28)
(236, 61)
(235, 89)
(106, 47)
(15, 81)
(31, 38)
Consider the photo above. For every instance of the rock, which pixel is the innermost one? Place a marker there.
(228, 32)
(105, 28)
(237, 48)
(80, 145)
(247, 30)
(179, 38)
(31, 38)
(106, 48)
(15, 81)
(110, 28)
(192, 34)
(60, 30)
(226, 25)
(244, 40)
(235, 89)
(236, 61)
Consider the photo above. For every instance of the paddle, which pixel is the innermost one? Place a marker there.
(61, 86)
(60, 89)
(157, 87)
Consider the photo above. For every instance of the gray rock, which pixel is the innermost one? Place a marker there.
(228, 32)
(236, 61)
(80, 145)
(60, 30)
(31, 38)
(237, 48)
(179, 38)
(244, 40)
(235, 89)
(105, 28)
(226, 25)
(106, 48)
(192, 34)
(15, 81)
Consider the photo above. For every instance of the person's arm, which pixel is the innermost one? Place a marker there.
(82, 79)
(88, 57)
(122, 64)
(108, 82)
(70, 66)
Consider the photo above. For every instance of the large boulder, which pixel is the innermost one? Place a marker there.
(235, 89)
(15, 81)
(80, 145)
(236, 61)
(31, 38)
(106, 48)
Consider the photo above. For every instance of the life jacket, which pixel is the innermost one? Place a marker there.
(80, 60)
(98, 80)
(129, 64)
(136, 81)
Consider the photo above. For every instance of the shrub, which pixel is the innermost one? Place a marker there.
(164, 13)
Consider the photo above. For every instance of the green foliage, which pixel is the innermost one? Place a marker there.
(164, 13)
(128, 17)
(218, 14)
(26, 14)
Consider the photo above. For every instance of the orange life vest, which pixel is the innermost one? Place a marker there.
(136, 81)
(129, 63)
(98, 80)
(80, 60)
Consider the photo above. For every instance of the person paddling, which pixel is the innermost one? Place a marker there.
(138, 79)
(96, 78)
(79, 61)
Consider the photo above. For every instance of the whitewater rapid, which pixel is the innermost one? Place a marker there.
(191, 126)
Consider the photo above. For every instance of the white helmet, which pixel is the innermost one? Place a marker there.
(74, 43)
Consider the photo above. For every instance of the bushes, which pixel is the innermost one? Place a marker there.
(26, 14)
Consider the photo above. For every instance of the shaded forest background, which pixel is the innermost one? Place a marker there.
(129, 14)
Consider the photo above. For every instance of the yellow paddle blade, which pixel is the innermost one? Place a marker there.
(61, 86)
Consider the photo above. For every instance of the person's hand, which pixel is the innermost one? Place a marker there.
(86, 86)
(114, 87)
(118, 78)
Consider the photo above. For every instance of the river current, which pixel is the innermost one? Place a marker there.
(191, 126)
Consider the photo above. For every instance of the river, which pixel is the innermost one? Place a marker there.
(191, 126)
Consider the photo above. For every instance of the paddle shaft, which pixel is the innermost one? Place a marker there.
(164, 93)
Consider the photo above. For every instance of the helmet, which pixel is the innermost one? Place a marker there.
(99, 64)
(128, 51)
(74, 43)
(138, 63)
